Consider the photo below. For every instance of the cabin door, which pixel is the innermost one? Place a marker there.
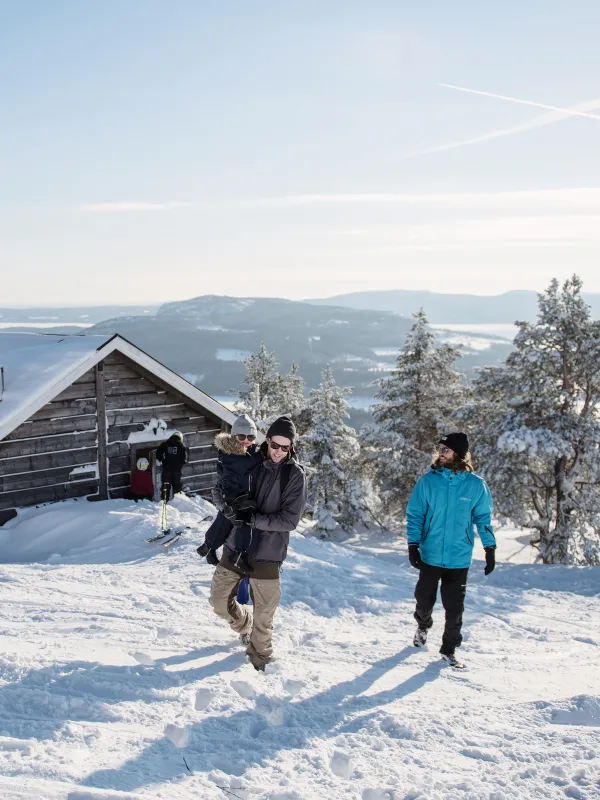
(147, 451)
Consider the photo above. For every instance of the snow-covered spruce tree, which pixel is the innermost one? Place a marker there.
(536, 430)
(335, 491)
(260, 388)
(415, 406)
(266, 394)
(289, 394)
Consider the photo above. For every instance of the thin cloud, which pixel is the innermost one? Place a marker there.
(123, 208)
(537, 122)
(514, 231)
(521, 102)
(573, 198)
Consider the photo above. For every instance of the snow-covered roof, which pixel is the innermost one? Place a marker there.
(38, 367)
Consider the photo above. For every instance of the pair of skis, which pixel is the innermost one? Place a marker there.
(163, 535)
(166, 537)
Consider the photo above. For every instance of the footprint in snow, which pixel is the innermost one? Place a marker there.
(293, 687)
(143, 658)
(179, 736)
(272, 710)
(244, 689)
(203, 699)
(341, 764)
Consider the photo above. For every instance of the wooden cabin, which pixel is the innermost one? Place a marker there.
(76, 412)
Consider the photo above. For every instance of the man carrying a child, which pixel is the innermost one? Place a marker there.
(257, 544)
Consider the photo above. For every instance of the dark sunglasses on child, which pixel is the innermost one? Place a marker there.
(284, 447)
(242, 437)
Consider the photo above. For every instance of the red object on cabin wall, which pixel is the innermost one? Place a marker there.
(141, 483)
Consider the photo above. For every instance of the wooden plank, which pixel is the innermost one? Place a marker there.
(196, 482)
(200, 468)
(144, 415)
(48, 494)
(77, 391)
(128, 386)
(117, 493)
(202, 452)
(47, 444)
(102, 439)
(45, 477)
(66, 458)
(117, 481)
(200, 438)
(119, 372)
(119, 464)
(116, 449)
(143, 400)
(113, 359)
(127, 368)
(51, 427)
(66, 408)
(87, 377)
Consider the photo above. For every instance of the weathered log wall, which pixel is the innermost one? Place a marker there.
(133, 398)
(38, 459)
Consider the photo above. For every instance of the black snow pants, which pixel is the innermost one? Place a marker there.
(453, 591)
(173, 478)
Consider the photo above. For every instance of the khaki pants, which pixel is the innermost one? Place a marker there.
(265, 596)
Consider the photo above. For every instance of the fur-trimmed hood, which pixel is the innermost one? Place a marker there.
(227, 443)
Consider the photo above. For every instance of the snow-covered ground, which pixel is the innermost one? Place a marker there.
(116, 682)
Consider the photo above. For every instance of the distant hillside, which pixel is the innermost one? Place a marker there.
(76, 315)
(450, 308)
(206, 339)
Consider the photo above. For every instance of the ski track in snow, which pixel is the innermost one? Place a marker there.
(114, 675)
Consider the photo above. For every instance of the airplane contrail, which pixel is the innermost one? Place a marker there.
(570, 112)
(549, 118)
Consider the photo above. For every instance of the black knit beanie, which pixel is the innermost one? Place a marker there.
(457, 442)
(283, 427)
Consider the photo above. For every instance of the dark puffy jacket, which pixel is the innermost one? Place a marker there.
(276, 516)
(235, 467)
(172, 454)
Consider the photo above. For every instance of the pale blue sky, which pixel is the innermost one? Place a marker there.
(159, 150)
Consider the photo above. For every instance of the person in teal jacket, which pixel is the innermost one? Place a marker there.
(444, 507)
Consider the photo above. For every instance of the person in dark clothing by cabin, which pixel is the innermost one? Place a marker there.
(172, 454)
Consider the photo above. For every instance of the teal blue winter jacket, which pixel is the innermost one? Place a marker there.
(442, 510)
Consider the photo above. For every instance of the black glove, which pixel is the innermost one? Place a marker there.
(243, 502)
(203, 550)
(228, 512)
(212, 558)
(414, 556)
(243, 517)
(490, 560)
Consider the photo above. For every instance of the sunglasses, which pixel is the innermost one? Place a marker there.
(443, 450)
(284, 447)
(242, 437)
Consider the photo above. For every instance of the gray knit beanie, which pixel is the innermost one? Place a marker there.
(244, 424)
